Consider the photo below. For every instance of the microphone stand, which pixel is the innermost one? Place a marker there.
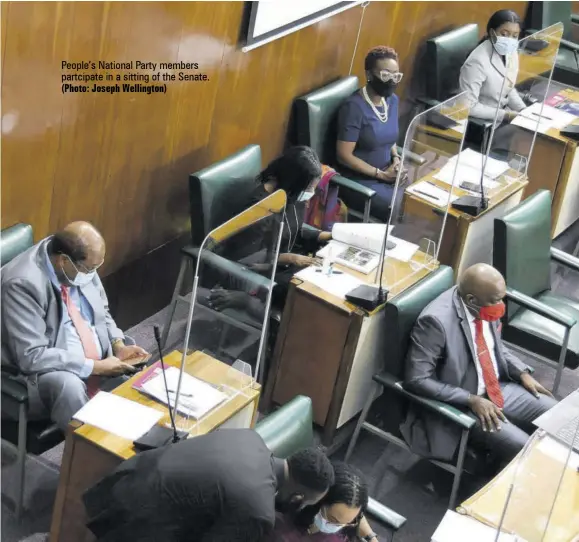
(160, 435)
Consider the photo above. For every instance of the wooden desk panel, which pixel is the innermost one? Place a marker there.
(91, 453)
(319, 350)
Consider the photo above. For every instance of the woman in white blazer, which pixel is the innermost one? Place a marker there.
(495, 61)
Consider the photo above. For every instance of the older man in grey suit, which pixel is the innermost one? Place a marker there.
(56, 325)
(456, 355)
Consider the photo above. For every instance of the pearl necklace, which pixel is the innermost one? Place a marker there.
(382, 117)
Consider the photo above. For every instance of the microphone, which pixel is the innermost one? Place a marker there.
(160, 435)
(369, 297)
(158, 341)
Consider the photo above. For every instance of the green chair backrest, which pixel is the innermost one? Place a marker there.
(544, 14)
(522, 247)
(445, 55)
(14, 240)
(290, 428)
(402, 312)
(221, 190)
(316, 117)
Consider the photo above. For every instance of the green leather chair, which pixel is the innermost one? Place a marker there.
(544, 14)
(216, 194)
(290, 429)
(400, 316)
(316, 126)
(537, 320)
(35, 437)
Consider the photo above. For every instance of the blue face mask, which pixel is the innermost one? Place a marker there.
(505, 46)
(324, 526)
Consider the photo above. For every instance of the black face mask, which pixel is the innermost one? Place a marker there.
(381, 88)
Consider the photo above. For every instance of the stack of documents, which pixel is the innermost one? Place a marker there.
(467, 167)
(118, 415)
(337, 284)
(432, 193)
(197, 397)
(542, 118)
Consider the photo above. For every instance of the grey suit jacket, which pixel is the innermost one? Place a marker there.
(440, 365)
(32, 313)
(482, 76)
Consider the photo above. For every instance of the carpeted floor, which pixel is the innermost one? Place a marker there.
(411, 487)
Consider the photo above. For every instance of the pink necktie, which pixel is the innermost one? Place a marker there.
(86, 338)
(489, 374)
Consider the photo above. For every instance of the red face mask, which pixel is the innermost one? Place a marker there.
(492, 313)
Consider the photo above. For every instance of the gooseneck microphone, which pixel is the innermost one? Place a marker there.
(158, 341)
(160, 435)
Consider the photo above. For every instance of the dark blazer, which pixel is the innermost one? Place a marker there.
(440, 365)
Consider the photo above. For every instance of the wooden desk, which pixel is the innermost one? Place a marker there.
(90, 453)
(466, 239)
(329, 350)
(554, 166)
(533, 495)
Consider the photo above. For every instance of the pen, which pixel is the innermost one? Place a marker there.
(182, 394)
(541, 116)
(436, 186)
(425, 194)
(332, 272)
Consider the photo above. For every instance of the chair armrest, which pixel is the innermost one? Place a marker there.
(384, 514)
(574, 18)
(412, 157)
(540, 308)
(572, 46)
(445, 410)
(229, 268)
(484, 124)
(565, 258)
(429, 102)
(352, 186)
(14, 388)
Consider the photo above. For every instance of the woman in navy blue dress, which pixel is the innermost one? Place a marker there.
(368, 130)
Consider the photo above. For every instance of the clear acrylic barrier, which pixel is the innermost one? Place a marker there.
(537, 496)
(423, 191)
(511, 141)
(229, 308)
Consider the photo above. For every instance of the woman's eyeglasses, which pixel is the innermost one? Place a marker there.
(386, 76)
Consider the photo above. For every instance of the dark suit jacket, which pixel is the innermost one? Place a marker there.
(218, 487)
(440, 365)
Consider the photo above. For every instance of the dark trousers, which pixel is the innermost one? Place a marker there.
(521, 408)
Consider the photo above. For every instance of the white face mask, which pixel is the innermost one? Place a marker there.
(81, 279)
(505, 46)
(324, 526)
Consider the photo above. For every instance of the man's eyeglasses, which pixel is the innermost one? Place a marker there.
(395, 77)
(82, 268)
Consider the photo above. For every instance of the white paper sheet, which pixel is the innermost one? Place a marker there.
(469, 169)
(549, 117)
(458, 528)
(335, 284)
(196, 399)
(118, 415)
(403, 251)
(431, 193)
(365, 236)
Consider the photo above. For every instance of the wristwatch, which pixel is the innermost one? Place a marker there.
(369, 537)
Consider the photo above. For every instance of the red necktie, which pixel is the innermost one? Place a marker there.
(489, 374)
(86, 338)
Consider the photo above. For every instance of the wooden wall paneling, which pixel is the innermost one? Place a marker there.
(32, 109)
(122, 161)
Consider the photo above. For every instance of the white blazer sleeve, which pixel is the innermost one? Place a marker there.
(472, 77)
(515, 102)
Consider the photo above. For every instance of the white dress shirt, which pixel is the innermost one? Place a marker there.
(490, 340)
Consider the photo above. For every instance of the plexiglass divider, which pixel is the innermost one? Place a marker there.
(229, 312)
(539, 501)
(423, 192)
(511, 141)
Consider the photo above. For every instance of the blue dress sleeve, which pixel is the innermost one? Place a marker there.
(349, 122)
